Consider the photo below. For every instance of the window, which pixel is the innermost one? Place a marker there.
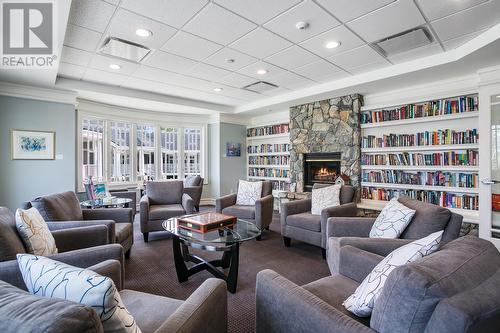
(93, 149)
(169, 153)
(145, 152)
(120, 152)
(192, 151)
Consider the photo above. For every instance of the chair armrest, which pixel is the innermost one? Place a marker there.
(345, 210)
(144, 210)
(356, 263)
(225, 201)
(119, 215)
(283, 306)
(110, 268)
(78, 238)
(264, 211)
(187, 203)
(61, 225)
(204, 311)
(349, 226)
(292, 208)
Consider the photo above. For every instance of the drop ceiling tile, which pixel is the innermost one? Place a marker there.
(91, 14)
(81, 38)
(169, 62)
(387, 21)
(75, 56)
(95, 75)
(125, 23)
(220, 58)
(219, 25)
(291, 81)
(347, 10)
(368, 67)
(321, 71)
(239, 93)
(341, 34)
(113, 2)
(102, 63)
(158, 75)
(251, 70)
(172, 12)
(451, 44)
(356, 57)
(258, 11)
(318, 19)
(190, 46)
(236, 80)
(71, 71)
(277, 91)
(260, 43)
(207, 72)
(292, 57)
(419, 52)
(433, 9)
(468, 21)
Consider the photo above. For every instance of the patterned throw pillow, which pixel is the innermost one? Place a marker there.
(248, 192)
(325, 197)
(363, 300)
(34, 232)
(392, 220)
(49, 278)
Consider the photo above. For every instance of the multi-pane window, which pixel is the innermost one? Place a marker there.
(146, 152)
(120, 152)
(93, 149)
(169, 153)
(192, 151)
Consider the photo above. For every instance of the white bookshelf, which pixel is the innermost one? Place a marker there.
(465, 168)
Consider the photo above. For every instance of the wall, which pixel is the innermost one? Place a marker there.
(22, 180)
(232, 168)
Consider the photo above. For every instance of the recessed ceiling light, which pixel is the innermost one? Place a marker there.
(218, 89)
(261, 71)
(143, 32)
(333, 44)
(115, 66)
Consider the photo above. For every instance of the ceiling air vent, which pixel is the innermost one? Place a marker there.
(405, 41)
(260, 86)
(124, 49)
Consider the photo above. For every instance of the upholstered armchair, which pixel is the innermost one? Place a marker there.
(163, 200)
(126, 194)
(355, 231)
(297, 221)
(193, 186)
(261, 214)
(65, 208)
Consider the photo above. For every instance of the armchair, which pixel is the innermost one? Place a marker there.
(65, 207)
(193, 186)
(299, 223)
(163, 200)
(261, 214)
(355, 231)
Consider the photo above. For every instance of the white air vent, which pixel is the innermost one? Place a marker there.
(405, 41)
(260, 86)
(120, 48)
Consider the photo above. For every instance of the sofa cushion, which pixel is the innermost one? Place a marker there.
(62, 206)
(459, 265)
(165, 192)
(248, 192)
(163, 212)
(324, 197)
(35, 233)
(123, 231)
(150, 311)
(392, 220)
(22, 312)
(192, 180)
(305, 220)
(243, 212)
(10, 241)
(428, 218)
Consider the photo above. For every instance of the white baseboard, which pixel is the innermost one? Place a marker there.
(207, 202)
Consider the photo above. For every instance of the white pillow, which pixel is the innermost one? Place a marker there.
(53, 279)
(325, 197)
(34, 232)
(392, 220)
(363, 300)
(248, 192)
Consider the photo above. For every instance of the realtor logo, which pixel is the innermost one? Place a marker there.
(27, 34)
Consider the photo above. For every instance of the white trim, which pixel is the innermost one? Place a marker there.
(465, 168)
(427, 119)
(421, 148)
(271, 118)
(207, 202)
(421, 187)
(38, 93)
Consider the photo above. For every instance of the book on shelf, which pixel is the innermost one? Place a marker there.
(269, 160)
(268, 148)
(424, 178)
(446, 158)
(268, 130)
(267, 172)
(426, 138)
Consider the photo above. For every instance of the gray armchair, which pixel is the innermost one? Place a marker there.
(299, 223)
(261, 214)
(452, 290)
(163, 200)
(65, 207)
(355, 231)
(193, 186)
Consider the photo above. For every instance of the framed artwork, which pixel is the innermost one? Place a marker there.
(32, 145)
(233, 149)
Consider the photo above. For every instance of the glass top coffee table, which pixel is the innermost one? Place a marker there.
(115, 202)
(226, 240)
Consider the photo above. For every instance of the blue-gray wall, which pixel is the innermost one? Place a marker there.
(232, 168)
(25, 179)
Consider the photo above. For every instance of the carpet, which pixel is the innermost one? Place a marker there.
(151, 269)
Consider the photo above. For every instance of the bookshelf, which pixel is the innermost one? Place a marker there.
(427, 150)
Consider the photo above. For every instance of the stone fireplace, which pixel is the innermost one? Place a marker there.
(321, 168)
(325, 128)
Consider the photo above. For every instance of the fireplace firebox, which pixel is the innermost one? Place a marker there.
(321, 168)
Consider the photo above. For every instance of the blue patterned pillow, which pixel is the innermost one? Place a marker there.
(50, 278)
(392, 220)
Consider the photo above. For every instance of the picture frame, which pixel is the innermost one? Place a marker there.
(32, 145)
(233, 149)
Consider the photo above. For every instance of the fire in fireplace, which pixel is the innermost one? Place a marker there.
(321, 168)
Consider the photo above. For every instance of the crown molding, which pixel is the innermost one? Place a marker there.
(38, 93)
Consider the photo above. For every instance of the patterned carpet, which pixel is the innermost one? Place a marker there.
(151, 269)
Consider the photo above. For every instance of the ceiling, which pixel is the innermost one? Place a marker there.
(193, 40)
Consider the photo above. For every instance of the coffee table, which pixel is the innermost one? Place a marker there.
(115, 202)
(224, 240)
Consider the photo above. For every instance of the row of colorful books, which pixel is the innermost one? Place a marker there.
(269, 160)
(447, 158)
(429, 178)
(269, 148)
(268, 130)
(267, 172)
(427, 138)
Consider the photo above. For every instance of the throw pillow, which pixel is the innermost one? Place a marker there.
(248, 192)
(392, 220)
(50, 278)
(34, 232)
(363, 300)
(324, 197)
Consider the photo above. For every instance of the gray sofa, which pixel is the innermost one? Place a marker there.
(297, 221)
(261, 214)
(193, 186)
(65, 207)
(452, 290)
(163, 200)
(355, 231)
